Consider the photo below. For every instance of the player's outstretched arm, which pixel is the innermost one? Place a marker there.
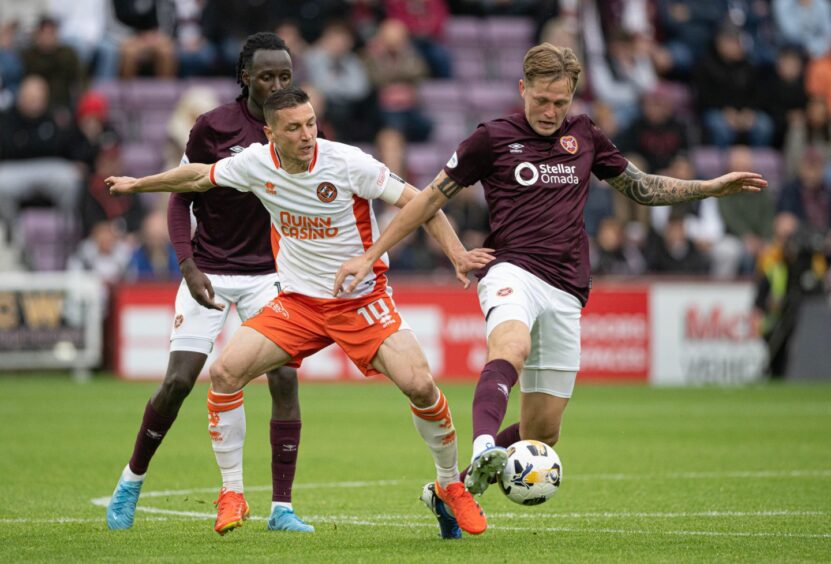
(655, 190)
(442, 231)
(193, 177)
(415, 213)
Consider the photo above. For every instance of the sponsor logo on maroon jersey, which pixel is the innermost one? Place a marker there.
(502, 292)
(569, 143)
(326, 192)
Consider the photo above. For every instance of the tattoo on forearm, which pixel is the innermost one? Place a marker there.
(447, 187)
(654, 190)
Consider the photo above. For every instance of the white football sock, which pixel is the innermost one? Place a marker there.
(435, 425)
(226, 425)
(281, 504)
(130, 476)
(480, 444)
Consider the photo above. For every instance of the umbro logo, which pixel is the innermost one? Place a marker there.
(504, 389)
(289, 448)
(236, 149)
(154, 435)
(516, 147)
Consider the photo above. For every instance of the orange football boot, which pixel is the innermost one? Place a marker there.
(232, 510)
(468, 514)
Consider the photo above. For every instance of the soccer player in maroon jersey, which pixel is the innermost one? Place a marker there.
(534, 167)
(228, 261)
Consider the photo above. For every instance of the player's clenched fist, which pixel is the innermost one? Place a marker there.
(121, 184)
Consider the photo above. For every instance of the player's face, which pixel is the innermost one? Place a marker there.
(546, 103)
(270, 71)
(294, 132)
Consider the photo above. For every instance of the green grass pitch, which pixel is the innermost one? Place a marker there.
(665, 475)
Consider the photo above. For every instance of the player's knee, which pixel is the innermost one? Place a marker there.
(422, 391)
(282, 383)
(175, 389)
(223, 379)
(515, 352)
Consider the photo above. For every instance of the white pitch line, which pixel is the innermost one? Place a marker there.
(765, 474)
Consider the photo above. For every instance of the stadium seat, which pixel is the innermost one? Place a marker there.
(710, 162)
(423, 163)
(470, 64)
(48, 237)
(464, 31)
(503, 32)
(141, 159)
(226, 89)
(489, 96)
(441, 95)
(152, 93)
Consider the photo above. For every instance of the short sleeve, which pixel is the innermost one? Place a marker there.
(473, 159)
(201, 147)
(608, 160)
(235, 171)
(372, 179)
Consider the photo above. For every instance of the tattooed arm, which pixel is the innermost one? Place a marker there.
(417, 211)
(655, 190)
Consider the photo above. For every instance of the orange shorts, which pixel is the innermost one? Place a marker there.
(301, 325)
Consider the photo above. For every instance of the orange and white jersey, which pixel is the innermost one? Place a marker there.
(319, 218)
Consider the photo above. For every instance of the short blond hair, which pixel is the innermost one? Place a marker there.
(551, 62)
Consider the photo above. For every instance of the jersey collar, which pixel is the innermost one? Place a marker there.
(275, 156)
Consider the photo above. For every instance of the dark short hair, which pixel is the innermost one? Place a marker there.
(290, 97)
(262, 40)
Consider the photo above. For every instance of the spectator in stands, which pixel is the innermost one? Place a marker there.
(154, 259)
(782, 93)
(93, 130)
(11, 67)
(813, 130)
(687, 27)
(340, 75)
(425, 20)
(96, 203)
(290, 33)
(35, 153)
(702, 222)
(806, 23)
(151, 41)
(194, 102)
(88, 26)
(105, 252)
(56, 63)
(818, 78)
(196, 55)
(672, 252)
(612, 254)
(808, 196)
(562, 31)
(658, 135)
(748, 222)
(396, 69)
(728, 94)
(620, 68)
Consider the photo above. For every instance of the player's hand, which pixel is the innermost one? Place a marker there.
(734, 182)
(199, 285)
(471, 260)
(357, 267)
(121, 184)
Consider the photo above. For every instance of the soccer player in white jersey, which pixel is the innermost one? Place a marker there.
(317, 193)
(535, 167)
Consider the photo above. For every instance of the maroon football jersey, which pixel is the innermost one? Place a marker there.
(233, 228)
(536, 189)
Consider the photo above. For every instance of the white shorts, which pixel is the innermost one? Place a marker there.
(195, 328)
(509, 292)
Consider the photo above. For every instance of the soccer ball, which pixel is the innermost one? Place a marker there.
(532, 474)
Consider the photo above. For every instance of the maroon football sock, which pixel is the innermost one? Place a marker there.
(154, 427)
(506, 437)
(490, 401)
(285, 440)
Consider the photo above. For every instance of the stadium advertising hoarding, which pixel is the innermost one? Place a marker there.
(50, 320)
(447, 320)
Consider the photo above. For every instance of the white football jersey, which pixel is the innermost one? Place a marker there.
(319, 218)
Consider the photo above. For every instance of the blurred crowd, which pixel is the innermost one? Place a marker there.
(684, 88)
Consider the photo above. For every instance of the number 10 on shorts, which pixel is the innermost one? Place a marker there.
(377, 311)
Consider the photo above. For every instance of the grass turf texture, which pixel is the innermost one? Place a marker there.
(649, 475)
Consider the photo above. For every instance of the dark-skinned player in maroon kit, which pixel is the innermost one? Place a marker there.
(228, 261)
(535, 168)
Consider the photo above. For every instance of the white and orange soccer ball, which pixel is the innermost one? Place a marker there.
(532, 474)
